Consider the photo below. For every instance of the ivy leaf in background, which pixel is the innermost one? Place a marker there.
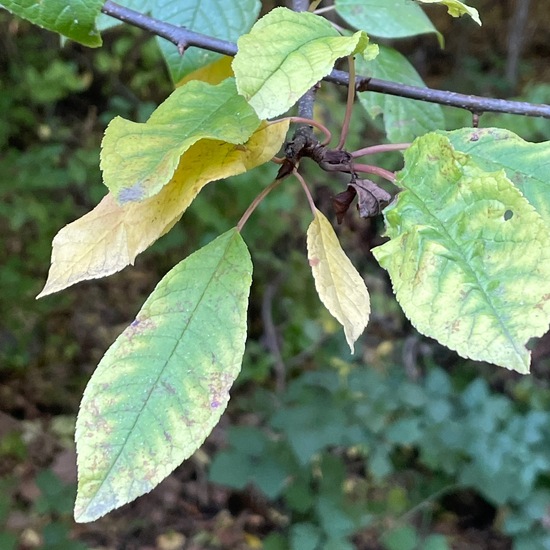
(526, 164)
(339, 285)
(163, 385)
(75, 20)
(109, 238)
(468, 255)
(456, 8)
(139, 159)
(386, 18)
(285, 54)
(404, 119)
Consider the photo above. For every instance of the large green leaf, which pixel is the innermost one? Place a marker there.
(139, 159)
(404, 119)
(469, 257)
(163, 385)
(75, 20)
(526, 164)
(385, 18)
(225, 19)
(285, 54)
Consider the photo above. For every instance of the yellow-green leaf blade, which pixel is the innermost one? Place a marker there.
(139, 159)
(285, 54)
(109, 238)
(456, 8)
(468, 256)
(75, 20)
(339, 285)
(163, 385)
(526, 164)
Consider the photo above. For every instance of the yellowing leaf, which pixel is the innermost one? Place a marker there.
(285, 54)
(339, 285)
(109, 238)
(456, 8)
(468, 255)
(138, 159)
(214, 73)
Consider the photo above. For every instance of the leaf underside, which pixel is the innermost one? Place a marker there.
(109, 238)
(163, 385)
(467, 256)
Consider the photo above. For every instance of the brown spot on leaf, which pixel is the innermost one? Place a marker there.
(314, 262)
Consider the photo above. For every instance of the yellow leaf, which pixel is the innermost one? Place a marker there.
(213, 74)
(339, 285)
(109, 238)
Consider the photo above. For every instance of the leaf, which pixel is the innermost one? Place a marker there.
(75, 20)
(285, 54)
(456, 8)
(109, 238)
(404, 119)
(163, 385)
(370, 202)
(339, 285)
(139, 159)
(468, 256)
(224, 19)
(526, 164)
(386, 18)
(106, 22)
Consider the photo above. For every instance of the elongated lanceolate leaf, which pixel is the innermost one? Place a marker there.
(527, 165)
(456, 8)
(109, 238)
(138, 160)
(163, 385)
(385, 18)
(339, 285)
(285, 54)
(404, 119)
(75, 19)
(468, 257)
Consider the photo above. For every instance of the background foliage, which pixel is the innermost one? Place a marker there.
(406, 447)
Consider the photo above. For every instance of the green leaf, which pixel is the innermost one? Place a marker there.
(404, 119)
(526, 164)
(224, 19)
(142, 6)
(386, 18)
(285, 54)
(468, 257)
(163, 385)
(75, 20)
(139, 159)
(456, 8)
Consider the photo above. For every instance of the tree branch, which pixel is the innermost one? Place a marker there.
(184, 38)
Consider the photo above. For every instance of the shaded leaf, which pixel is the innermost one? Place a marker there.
(456, 8)
(139, 159)
(109, 238)
(339, 285)
(526, 164)
(385, 18)
(468, 256)
(404, 119)
(163, 385)
(285, 54)
(224, 19)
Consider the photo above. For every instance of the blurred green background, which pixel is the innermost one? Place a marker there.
(403, 445)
